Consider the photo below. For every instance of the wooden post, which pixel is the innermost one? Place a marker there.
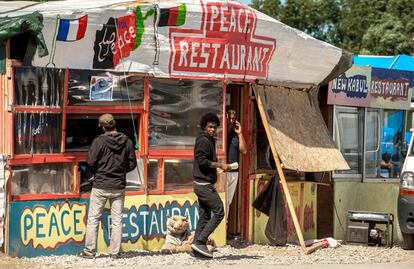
(280, 172)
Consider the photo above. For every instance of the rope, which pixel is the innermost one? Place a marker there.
(127, 88)
(52, 53)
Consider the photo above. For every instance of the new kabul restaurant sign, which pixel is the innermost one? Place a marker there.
(57, 227)
(363, 86)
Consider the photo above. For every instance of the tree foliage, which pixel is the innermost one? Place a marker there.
(382, 27)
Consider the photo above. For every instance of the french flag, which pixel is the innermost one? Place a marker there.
(72, 30)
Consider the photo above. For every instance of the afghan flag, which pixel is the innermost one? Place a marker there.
(171, 15)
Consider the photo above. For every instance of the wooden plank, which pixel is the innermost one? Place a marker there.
(316, 246)
(280, 172)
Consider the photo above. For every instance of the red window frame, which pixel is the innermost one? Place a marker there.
(73, 157)
(164, 154)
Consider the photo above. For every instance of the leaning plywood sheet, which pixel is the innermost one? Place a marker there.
(203, 39)
(298, 131)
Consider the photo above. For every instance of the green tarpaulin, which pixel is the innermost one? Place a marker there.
(12, 26)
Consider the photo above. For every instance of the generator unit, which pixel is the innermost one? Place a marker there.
(362, 228)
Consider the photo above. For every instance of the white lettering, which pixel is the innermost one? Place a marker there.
(183, 50)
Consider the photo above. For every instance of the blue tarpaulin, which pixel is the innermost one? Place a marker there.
(399, 62)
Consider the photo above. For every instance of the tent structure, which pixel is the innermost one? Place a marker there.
(195, 39)
(192, 40)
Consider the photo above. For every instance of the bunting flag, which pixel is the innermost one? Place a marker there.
(126, 36)
(172, 16)
(72, 29)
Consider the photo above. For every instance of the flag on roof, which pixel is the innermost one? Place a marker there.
(171, 15)
(72, 29)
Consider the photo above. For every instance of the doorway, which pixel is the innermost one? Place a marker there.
(236, 97)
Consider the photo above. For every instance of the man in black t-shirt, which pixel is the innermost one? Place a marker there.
(235, 145)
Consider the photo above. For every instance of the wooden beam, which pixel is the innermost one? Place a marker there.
(280, 172)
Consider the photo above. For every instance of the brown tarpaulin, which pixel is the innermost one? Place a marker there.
(298, 131)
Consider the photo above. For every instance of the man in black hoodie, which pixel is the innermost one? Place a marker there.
(110, 157)
(205, 176)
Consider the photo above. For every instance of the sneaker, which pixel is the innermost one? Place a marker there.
(202, 249)
(197, 255)
(86, 255)
(115, 256)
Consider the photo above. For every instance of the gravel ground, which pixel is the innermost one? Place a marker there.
(253, 254)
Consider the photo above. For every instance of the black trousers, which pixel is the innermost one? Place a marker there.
(208, 202)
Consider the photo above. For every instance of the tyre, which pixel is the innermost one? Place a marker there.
(408, 241)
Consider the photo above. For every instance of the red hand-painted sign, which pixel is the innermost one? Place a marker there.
(225, 44)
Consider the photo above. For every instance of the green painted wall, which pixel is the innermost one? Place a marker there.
(368, 196)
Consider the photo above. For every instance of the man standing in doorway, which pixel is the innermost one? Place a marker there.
(110, 157)
(235, 145)
(205, 176)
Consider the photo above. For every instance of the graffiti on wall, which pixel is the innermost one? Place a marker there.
(303, 197)
(57, 227)
(47, 227)
(149, 222)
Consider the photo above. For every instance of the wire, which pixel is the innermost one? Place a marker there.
(337, 216)
(129, 98)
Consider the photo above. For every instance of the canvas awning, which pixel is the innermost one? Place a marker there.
(297, 129)
(208, 39)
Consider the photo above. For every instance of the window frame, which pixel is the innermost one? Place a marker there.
(362, 176)
(73, 157)
(170, 154)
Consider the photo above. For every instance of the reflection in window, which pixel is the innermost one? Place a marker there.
(152, 179)
(392, 128)
(37, 133)
(81, 130)
(178, 175)
(51, 178)
(36, 86)
(176, 107)
(348, 137)
(87, 87)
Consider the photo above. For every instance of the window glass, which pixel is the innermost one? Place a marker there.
(87, 87)
(37, 133)
(348, 137)
(36, 86)
(152, 179)
(54, 178)
(176, 107)
(372, 142)
(178, 175)
(392, 127)
(135, 178)
(82, 129)
(85, 177)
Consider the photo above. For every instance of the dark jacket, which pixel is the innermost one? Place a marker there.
(110, 157)
(204, 154)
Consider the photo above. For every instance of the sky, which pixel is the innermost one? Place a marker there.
(247, 2)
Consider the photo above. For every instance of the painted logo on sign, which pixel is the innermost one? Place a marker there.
(390, 88)
(149, 222)
(225, 44)
(353, 86)
(58, 224)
